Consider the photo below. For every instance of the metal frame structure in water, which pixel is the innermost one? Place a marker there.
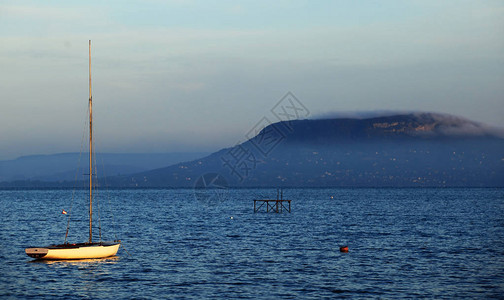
(273, 205)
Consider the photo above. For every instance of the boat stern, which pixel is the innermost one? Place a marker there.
(36, 252)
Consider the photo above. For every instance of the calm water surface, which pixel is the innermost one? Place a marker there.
(434, 243)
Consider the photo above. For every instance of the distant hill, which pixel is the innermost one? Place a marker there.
(420, 126)
(423, 149)
(65, 166)
(404, 150)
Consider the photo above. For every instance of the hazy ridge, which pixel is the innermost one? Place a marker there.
(68, 166)
(404, 150)
(418, 149)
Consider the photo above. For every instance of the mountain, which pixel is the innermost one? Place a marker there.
(66, 166)
(404, 150)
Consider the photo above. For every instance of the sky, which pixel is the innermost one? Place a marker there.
(186, 75)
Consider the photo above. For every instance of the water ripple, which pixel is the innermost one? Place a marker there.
(403, 243)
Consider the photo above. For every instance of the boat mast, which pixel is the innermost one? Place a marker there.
(90, 153)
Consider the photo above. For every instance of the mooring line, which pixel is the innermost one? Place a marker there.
(125, 250)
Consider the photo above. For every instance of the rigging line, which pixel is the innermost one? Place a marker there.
(95, 191)
(77, 170)
(99, 215)
(104, 181)
(107, 192)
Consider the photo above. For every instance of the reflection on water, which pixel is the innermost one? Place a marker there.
(87, 276)
(77, 262)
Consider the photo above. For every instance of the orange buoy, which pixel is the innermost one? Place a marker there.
(343, 249)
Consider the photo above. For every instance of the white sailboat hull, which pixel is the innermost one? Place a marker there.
(74, 251)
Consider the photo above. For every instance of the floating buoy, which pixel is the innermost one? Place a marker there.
(231, 218)
(343, 249)
(332, 197)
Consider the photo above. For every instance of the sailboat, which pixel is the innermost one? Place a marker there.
(90, 249)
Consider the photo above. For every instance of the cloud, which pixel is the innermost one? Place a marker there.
(359, 114)
(445, 124)
(456, 125)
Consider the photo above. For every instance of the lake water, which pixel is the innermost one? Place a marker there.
(434, 243)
